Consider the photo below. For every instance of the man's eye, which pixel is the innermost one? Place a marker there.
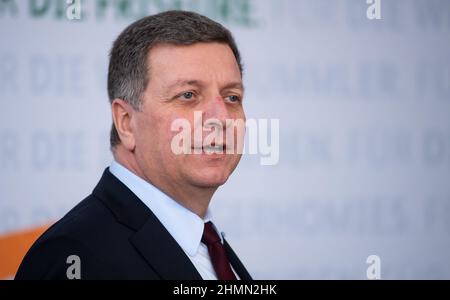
(234, 98)
(187, 95)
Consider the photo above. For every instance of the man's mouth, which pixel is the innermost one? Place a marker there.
(210, 149)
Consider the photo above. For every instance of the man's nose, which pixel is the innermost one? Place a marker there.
(216, 108)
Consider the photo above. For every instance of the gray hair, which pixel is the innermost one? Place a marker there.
(128, 69)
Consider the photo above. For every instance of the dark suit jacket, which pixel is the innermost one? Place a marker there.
(116, 236)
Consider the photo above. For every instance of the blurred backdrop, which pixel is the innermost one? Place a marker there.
(364, 110)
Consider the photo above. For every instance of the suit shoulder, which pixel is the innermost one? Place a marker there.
(78, 233)
(79, 221)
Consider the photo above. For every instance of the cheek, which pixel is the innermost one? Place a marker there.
(166, 134)
(237, 113)
(241, 114)
(151, 132)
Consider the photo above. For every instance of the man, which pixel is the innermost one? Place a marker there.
(148, 216)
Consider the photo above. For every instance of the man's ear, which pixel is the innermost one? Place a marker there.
(122, 114)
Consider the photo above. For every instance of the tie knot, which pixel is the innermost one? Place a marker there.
(210, 235)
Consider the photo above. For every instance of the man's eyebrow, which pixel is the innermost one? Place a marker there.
(234, 85)
(194, 82)
(184, 82)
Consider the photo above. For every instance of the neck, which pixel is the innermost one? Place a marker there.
(194, 198)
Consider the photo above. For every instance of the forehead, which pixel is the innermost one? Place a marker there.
(202, 61)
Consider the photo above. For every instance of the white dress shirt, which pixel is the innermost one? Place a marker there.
(185, 226)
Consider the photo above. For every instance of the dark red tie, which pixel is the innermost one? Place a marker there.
(217, 253)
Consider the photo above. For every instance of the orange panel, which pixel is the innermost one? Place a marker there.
(14, 246)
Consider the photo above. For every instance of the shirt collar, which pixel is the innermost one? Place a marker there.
(185, 226)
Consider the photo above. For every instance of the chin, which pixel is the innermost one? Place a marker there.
(210, 178)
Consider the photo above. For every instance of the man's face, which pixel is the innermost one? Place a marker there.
(201, 77)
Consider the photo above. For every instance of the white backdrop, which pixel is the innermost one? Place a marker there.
(364, 110)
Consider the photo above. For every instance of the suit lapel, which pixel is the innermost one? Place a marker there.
(236, 263)
(151, 239)
(162, 252)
